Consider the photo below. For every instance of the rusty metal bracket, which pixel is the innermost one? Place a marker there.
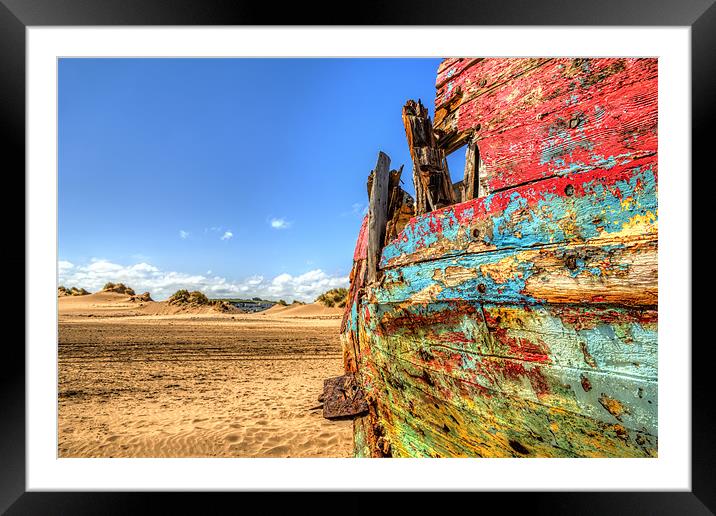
(343, 398)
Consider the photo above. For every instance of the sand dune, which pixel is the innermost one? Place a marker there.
(275, 309)
(111, 304)
(104, 301)
(134, 382)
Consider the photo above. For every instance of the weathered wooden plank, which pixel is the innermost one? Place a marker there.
(566, 116)
(580, 391)
(449, 431)
(377, 214)
(397, 424)
(457, 189)
(604, 339)
(415, 405)
(349, 343)
(550, 79)
(617, 203)
(450, 68)
(411, 437)
(622, 273)
(474, 423)
(476, 77)
(600, 133)
(572, 380)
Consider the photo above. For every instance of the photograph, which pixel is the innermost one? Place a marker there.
(357, 257)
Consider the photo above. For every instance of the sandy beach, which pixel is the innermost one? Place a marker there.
(152, 380)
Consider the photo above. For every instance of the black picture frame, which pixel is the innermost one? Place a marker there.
(16, 15)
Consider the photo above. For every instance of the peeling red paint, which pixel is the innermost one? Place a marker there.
(522, 348)
(361, 250)
(565, 111)
(579, 318)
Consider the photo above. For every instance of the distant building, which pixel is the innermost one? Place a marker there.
(252, 306)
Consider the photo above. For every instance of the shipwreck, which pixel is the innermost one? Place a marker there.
(512, 313)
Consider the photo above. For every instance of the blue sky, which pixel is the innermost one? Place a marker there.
(238, 177)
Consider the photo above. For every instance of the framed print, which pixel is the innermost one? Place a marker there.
(417, 253)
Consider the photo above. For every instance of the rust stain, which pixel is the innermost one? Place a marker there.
(586, 384)
(613, 406)
(589, 359)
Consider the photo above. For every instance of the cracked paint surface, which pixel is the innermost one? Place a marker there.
(523, 323)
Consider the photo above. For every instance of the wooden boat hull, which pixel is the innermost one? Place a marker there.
(522, 323)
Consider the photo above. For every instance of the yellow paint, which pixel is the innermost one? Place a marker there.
(454, 275)
(427, 294)
(626, 203)
(637, 226)
(503, 270)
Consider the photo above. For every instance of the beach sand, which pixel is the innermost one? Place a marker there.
(151, 380)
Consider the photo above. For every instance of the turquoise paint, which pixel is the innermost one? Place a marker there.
(403, 283)
(633, 353)
(353, 320)
(600, 161)
(598, 211)
(502, 226)
(419, 277)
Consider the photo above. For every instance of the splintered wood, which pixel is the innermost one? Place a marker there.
(433, 187)
(400, 207)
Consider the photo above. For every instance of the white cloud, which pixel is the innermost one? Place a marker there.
(227, 235)
(358, 209)
(161, 284)
(280, 223)
(64, 265)
(183, 234)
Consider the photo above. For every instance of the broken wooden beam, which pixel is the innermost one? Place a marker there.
(459, 191)
(470, 183)
(433, 187)
(377, 213)
(400, 207)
